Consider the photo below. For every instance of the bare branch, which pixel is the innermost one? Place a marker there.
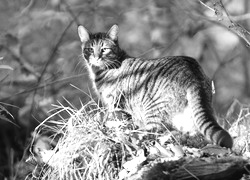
(42, 86)
(21, 61)
(225, 19)
(28, 7)
(67, 7)
(241, 17)
(206, 6)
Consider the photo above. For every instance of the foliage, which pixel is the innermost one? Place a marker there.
(40, 55)
(96, 144)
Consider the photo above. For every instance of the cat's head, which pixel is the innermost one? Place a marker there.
(101, 50)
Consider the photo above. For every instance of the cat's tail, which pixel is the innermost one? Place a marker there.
(200, 102)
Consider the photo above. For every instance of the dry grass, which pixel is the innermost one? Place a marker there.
(97, 145)
(92, 146)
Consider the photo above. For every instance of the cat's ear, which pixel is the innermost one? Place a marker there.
(83, 34)
(113, 32)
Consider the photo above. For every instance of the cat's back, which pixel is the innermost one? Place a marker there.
(181, 69)
(164, 63)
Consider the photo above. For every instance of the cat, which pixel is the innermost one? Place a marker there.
(156, 92)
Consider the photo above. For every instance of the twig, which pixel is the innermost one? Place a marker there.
(227, 21)
(241, 17)
(223, 64)
(165, 47)
(189, 172)
(246, 51)
(41, 86)
(28, 7)
(49, 60)
(21, 61)
(54, 50)
(206, 6)
(71, 12)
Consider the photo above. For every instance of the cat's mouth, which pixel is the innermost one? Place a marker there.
(96, 63)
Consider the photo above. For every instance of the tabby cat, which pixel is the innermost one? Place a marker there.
(155, 92)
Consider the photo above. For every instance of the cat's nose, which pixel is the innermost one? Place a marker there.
(97, 54)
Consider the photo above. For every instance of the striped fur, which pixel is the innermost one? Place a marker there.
(155, 92)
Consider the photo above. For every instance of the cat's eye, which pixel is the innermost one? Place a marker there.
(104, 49)
(88, 50)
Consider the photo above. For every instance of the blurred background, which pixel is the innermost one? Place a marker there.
(40, 61)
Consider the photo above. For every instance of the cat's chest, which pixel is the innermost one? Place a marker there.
(109, 89)
(108, 95)
(112, 86)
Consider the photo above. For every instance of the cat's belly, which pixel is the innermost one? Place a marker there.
(171, 109)
(184, 121)
(172, 113)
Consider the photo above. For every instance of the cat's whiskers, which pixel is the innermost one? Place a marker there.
(106, 65)
(114, 63)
